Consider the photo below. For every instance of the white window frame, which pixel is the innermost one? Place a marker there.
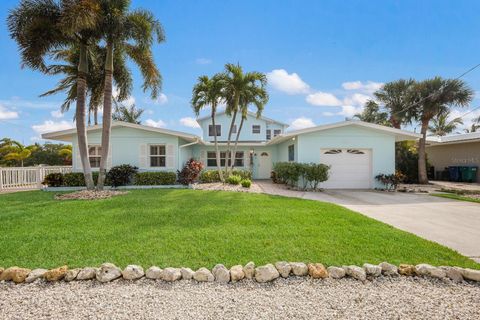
(254, 126)
(293, 153)
(97, 154)
(212, 158)
(159, 156)
(268, 134)
(218, 132)
(277, 132)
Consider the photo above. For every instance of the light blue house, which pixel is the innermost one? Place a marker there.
(356, 151)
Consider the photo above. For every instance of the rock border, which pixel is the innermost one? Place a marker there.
(266, 273)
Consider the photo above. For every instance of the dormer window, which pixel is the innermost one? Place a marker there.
(256, 129)
(211, 131)
(234, 129)
(276, 132)
(269, 134)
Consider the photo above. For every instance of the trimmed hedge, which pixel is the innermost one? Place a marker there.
(209, 176)
(293, 173)
(155, 178)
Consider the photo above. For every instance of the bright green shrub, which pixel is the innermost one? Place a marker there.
(292, 173)
(233, 179)
(74, 179)
(246, 183)
(209, 176)
(155, 178)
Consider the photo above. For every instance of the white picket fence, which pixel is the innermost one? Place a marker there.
(12, 178)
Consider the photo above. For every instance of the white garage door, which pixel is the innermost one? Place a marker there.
(349, 168)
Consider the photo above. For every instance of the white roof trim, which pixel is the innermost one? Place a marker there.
(249, 112)
(454, 138)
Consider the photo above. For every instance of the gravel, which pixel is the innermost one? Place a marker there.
(299, 298)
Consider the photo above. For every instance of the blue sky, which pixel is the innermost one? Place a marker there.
(323, 58)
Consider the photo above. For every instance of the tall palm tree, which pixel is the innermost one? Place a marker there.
(395, 96)
(432, 97)
(130, 114)
(127, 35)
(371, 113)
(42, 26)
(441, 126)
(209, 92)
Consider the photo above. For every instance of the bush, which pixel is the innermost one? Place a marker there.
(53, 179)
(290, 173)
(246, 183)
(233, 179)
(391, 181)
(121, 175)
(315, 173)
(190, 172)
(155, 178)
(74, 179)
(209, 176)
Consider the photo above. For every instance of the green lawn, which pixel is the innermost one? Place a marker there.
(199, 228)
(456, 197)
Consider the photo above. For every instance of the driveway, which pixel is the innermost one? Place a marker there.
(453, 223)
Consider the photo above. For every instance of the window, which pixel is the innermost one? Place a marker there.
(256, 128)
(238, 159)
(355, 151)
(94, 155)
(269, 134)
(291, 152)
(276, 132)
(218, 131)
(212, 159)
(157, 156)
(234, 128)
(333, 151)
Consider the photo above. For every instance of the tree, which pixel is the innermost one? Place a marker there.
(127, 35)
(14, 150)
(371, 113)
(40, 27)
(441, 126)
(209, 92)
(433, 97)
(127, 114)
(473, 128)
(395, 96)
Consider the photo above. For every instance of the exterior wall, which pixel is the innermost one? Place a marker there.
(460, 154)
(282, 150)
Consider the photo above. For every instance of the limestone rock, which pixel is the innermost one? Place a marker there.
(221, 273)
(266, 273)
(469, 274)
(283, 268)
(35, 274)
(171, 274)
(372, 270)
(453, 273)
(299, 268)
(388, 269)
(317, 271)
(133, 272)
(355, 272)
(203, 275)
(336, 272)
(423, 269)
(154, 273)
(87, 273)
(108, 272)
(15, 274)
(56, 274)
(249, 270)
(187, 273)
(71, 274)
(236, 273)
(438, 273)
(406, 270)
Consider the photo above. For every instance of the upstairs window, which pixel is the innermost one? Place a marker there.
(94, 156)
(211, 131)
(276, 132)
(157, 156)
(291, 152)
(255, 128)
(234, 129)
(269, 134)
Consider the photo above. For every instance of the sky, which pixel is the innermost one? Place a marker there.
(323, 59)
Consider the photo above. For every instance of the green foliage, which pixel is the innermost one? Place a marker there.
(372, 113)
(406, 160)
(209, 176)
(121, 175)
(155, 178)
(75, 179)
(124, 113)
(53, 179)
(391, 181)
(234, 179)
(309, 174)
(246, 183)
(190, 172)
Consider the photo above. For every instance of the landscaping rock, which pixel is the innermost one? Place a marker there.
(317, 271)
(336, 272)
(15, 274)
(388, 269)
(438, 273)
(453, 273)
(221, 273)
(187, 273)
(266, 273)
(56, 274)
(406, 270)
(154, 273)
(35, 274)
(87, 273)
(1, 270)
(469, 274)
(237, 273)
(133, 272)
(249, 270)
(355, 272)
(203, 275)
(71, 274)
(299, 268)
(372, 270)
(284, 268)
(423, 269)
(108, 272)
(171, 274)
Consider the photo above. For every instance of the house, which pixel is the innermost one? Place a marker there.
(356, 151)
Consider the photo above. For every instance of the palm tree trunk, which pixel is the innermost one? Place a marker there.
(236, 143)
(95, 116)
(422, 161)
(227, 155)
(217, 152)
(80, 116)
(89, 117)
(107, 115)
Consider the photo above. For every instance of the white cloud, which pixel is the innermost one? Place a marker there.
(50, 126)
(346, 111)
(203, 61)
(160, 100)
(156, 124)
(466, 118)
(301, 123)
(369, 86)
(291, 83)
(189, 122)
(6, 114)
(56, 114)
(323, 99)
(357, 99)
(19, 103)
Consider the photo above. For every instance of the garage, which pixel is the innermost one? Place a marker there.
(349, 168)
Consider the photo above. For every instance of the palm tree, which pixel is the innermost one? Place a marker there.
(209, 92)
(127, 35)
(473, 128)
(371, 113)
(395, 96)
(14, 150)
(40, 27)
(432, 97)
(441, 126)
(127, 114)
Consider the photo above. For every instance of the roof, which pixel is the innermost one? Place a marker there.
(249, 113)
(67, 135)
(400, 135)
(454, 138)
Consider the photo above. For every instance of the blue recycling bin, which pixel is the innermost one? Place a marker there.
(454, 173)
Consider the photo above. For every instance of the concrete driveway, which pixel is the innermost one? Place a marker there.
(455, 224)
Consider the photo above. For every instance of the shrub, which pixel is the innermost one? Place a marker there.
(74, 179)
(53, 179)
(155, 178)
(291, 173)
(209, 176)
(233, 179)
(246, 183)
(316, 173)
(190, 172)
(391, 181)
(121, 175)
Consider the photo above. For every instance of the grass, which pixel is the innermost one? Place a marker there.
(199, 228)
(456, 197)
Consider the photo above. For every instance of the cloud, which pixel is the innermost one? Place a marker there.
(189, 122)
(466, 118)
(19, 103)
(156, 124)
(301, 123)
(357, 99)
(203, 61)
(50, 126)
(160, 100)
(6, 114)
(346, 111)
(369, 86)
(291, 84)
(56, 114)
(323, 99)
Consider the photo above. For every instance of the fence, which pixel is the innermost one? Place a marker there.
(12, 178)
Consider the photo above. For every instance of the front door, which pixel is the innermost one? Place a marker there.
(264, 165)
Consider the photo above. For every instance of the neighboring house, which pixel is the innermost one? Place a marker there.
(454, 150)
(356, 151)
